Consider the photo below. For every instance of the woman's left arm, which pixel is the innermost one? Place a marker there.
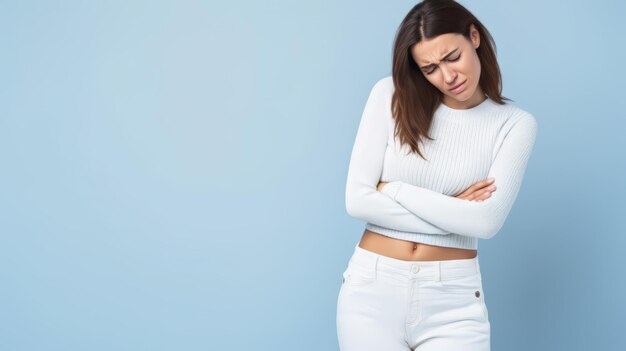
(473, 218)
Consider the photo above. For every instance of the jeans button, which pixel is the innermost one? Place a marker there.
(415, 269)
(477, 293)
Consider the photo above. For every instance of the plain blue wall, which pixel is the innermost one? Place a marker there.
(173, 173)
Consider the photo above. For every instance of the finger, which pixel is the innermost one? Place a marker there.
(479, 185)
(475, 195)
(480, 194)
(473, 191)
(486, 194)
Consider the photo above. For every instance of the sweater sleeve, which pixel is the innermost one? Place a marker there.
(481, 219)
(362, 200)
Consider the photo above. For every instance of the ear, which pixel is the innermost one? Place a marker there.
(475, 35)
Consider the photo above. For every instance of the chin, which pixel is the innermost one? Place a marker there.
(463, 97)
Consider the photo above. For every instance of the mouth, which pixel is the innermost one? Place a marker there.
(457, 88)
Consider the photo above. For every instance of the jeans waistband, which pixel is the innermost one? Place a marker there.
(421, 270)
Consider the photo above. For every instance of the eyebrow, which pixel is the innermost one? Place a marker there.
(445, 57)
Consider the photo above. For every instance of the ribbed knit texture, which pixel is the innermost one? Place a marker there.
(419, 204)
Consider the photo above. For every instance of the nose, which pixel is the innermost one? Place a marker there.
(448, 75)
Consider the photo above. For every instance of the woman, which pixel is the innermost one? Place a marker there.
(437, 163)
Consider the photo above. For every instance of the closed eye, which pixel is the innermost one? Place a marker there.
(449, 60)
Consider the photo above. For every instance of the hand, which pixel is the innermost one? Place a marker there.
(479, 191)
(380, 186)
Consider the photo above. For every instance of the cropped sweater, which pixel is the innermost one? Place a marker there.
(418, 203)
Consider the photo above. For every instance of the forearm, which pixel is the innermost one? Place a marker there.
(472, 218)
(374, 207)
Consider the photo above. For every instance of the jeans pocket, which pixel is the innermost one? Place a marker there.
(358, 276)
(469, 286)
(464, 284)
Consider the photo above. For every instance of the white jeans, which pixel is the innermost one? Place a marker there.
(386, 304)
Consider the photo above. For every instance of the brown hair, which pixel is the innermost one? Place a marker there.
(415, 98)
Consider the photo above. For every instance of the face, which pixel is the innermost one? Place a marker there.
(449, 60)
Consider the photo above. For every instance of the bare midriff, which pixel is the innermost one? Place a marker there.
(409, 250)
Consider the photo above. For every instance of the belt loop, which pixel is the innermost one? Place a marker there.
(376, 267)
(477, 265)
(437, 270)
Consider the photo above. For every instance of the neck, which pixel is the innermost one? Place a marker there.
(474, 101)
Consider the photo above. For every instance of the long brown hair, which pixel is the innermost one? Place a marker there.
(415, 98)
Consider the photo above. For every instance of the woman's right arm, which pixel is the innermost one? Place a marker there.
(362, 199)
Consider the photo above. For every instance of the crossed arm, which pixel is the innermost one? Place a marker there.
(472, 218)
(410, 208)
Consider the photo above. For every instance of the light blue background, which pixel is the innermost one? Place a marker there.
(173, 173)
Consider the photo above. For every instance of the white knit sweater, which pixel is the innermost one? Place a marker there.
(419, 204)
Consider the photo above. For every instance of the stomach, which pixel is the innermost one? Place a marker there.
(409, 250)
